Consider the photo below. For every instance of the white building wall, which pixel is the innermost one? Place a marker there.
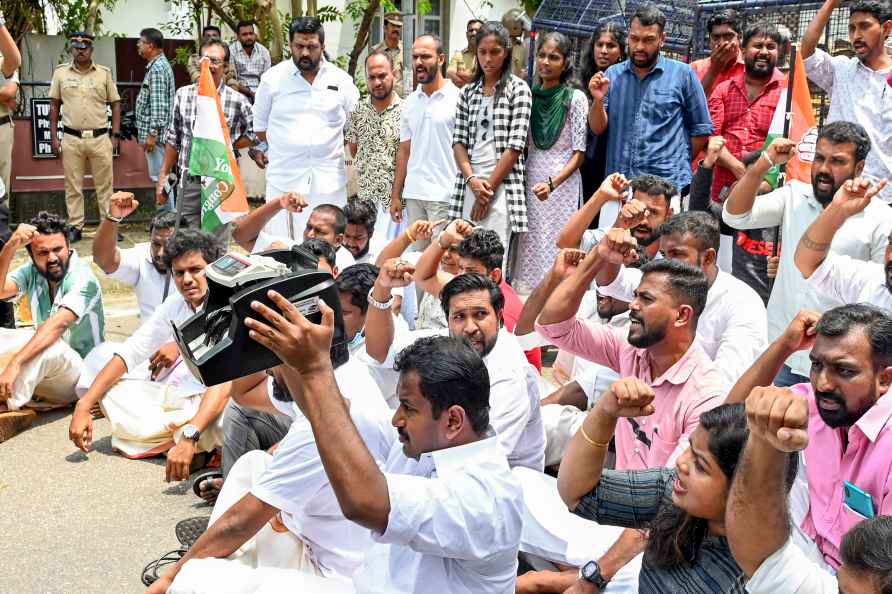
(465, 10)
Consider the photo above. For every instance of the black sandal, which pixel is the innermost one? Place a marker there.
(156, 568)
(211, 494)
(190, 529)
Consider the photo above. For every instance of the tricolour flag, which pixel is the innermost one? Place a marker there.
(802, 130)
(222, 193)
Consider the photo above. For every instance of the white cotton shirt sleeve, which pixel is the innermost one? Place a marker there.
(820, 68)
(150, 335)
(767, 211)
(845, 278)
(129, 268)
(789, 571)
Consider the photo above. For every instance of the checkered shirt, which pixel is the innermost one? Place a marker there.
(236, 110)
(249, 68)
(742, 123)
(155, 100)
(511, 123)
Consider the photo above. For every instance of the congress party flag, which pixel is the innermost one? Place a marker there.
(211, 157)
(801, 128)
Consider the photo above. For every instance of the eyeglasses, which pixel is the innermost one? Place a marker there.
(214, 61)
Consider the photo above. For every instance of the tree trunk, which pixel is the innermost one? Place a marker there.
(362, 34)
(311, 7)
(220, 12)
(297, 8)
(92, 16)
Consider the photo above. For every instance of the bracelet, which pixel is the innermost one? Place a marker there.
(469, 178)
(550, 185)
(591, 441)
(409, 235)
(767, 158)
(380, 305)
(114, 219)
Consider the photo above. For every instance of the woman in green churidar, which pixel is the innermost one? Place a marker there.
(556, 149)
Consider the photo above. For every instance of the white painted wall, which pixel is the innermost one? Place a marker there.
(465, 10)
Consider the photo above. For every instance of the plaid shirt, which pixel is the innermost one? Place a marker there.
(249, 68)
(743, 123)
(511, 123)
(236, 109)
(155, 99)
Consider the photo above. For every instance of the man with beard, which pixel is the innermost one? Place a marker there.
(462, 65)
(392, 47)
(843, 278)
(658, 347)
(250, 58)
(474, 305)
(425, 164)
(193, 67)
(742, 106)
(41, 369)
(300, 110)
(373, 135)
(858, 85)
(656, 107)
(725, 58)
(839, 156)
(849, 416)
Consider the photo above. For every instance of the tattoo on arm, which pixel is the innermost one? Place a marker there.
(814, 245)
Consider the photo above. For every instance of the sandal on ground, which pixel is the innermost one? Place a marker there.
(14, 422)
(206, 478)
(156, 568)
(190, 529)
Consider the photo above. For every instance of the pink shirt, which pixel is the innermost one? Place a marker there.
(866, 463)
(690, 387)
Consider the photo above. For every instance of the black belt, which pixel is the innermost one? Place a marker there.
(85, 133)
(7, 119)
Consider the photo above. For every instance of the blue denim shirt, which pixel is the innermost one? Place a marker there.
(651, 120)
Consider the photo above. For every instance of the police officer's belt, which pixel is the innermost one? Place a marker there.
(85, 133)
(7, 119)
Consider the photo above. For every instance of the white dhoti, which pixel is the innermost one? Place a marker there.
(552, 533)
(269, 557)
(46, 381)
(310, 189)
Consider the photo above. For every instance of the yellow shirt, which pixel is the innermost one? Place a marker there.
(85, 95)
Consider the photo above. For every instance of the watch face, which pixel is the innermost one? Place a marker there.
(189, 432)
(590, 569)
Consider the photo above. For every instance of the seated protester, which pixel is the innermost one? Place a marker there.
(841, 277)
(142, 266)
(42, 368)
(445, 511)
(849, 416)
(683, 508)
(840, 152)
(473, 304)
(324, 252)
(757, 516)
(651, 196)
(658, 348)
(430, 315)
(481, 251)
(733, 326)
(326, 222)
(750, 248)
(279, 509)
(175, 413)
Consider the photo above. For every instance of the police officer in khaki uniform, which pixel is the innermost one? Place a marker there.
(463, 65)
(85, 89)
(393, 46)
(512, 20)
(10, 59)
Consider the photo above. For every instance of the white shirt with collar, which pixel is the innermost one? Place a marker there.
(793, 206)
(732, 328)
(296, 482)
(514, 409)
(136, 270)
(852, 281)
(428, 122)
(454, 526)
(304, 124)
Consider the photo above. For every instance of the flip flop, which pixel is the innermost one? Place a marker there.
(156, 568)
(190, 529)
(209, 495)
(13, 422)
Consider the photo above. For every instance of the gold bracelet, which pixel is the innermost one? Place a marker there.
(591, 441)
(409, 235)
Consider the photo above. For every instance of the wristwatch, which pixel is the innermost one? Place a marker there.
(383, 306)
(191, 433)
(591, 572)
(153, 132)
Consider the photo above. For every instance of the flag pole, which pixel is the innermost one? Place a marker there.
(788, 115)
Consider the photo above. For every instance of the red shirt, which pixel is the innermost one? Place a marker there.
(511, 313)
(701, 67)
(743, 123)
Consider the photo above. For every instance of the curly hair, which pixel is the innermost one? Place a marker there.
(360, 212)
(48, 223)
(358, 280)
(483, 245)
(192, 240)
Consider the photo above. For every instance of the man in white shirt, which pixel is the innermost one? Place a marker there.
(840, 154)
(175, 413)
(473, 304)
(757, 518)
(142, 266)
(300, 110)
(445, 512)
(279, 509)
(425, 164)
(733, 326)
(841, 277)
(858, 85)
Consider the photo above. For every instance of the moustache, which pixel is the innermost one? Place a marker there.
(831, 396)
(636, 318)
(821, 177)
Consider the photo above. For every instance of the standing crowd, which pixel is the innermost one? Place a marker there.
(716, 419)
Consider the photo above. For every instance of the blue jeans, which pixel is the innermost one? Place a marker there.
(786, 378)
(155, 160)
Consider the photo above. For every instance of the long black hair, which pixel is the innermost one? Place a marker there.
(588, 67)
(565, 47)
(676, 536)
(503, 38)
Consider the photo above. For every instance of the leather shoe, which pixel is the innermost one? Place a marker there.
(74, 235)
